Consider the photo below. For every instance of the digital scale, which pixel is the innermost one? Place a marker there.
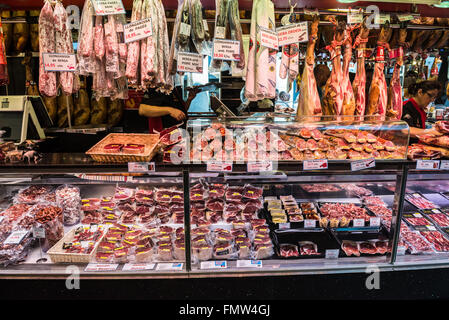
(15, 112)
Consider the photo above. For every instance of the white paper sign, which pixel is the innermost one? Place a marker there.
(284, 225)
(444, 165)
(137, 30)
(138, 266)
(141, 167)
(205, 25)
(405, 17)
(54, 62)
(38, 233)
(417, 215)
(218, 166)
(332, 253)
(268, 38)
(169, 266)
(16, 237)
(309, 223)
(95, 267)
(358, 222)
(319, 164)
(374, 221)
(249, 264)
(354, 17)
(401, 251)
(184, 29)
(261, 166)
(363, 164)
(107, 7)
(428, 164)
(190, 62)
(293, 33)
(431, 228)
(214, 265)
(382, 18)
(226, 50)
(220, 32)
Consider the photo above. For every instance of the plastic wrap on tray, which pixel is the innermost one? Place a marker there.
(16, 252)
(32, 194)
(50, 217)
(123, 194)
(287, 250)
(144, 196)
(419, 201)
(11, 216)
(68, 197)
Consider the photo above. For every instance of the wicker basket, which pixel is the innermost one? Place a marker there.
(58, 255)
(151, 142)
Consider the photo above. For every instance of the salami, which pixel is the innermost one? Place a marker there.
(47, 80)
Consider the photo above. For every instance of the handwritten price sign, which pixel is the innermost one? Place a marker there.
(226, 50)
(106, 7)
(59, 62)
(190, 62)
(293, 33)
(137, 30)
(268, 38)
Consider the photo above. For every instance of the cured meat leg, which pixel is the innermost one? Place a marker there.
(348, 107)
(250, 86)
(378, 94)
(309, 100)
(394, 106)
(333, 90)
(359, 83)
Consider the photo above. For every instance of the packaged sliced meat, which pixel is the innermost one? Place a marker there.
(123, 194)
(367, 247)
(223, 251)
(307, 248)
(144, 196)
(68, 197)
(288, 250)
(50, 217)
(32, 194)
(202, 252)
(350, 248)
(252, 192)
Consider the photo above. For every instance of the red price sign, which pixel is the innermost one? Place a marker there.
(106, 7)
(137, 30)
(54, 62)
(190, 62)
(226, 50)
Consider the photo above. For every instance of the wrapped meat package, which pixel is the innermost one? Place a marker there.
(50, 217)
(68, 197)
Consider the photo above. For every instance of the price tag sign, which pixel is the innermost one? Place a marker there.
(16, 237)
(332, 253)
(138, 266)
(107, 7)
(214, 265)
(354, 17)
(262, 166)
(190, 62)
(428, 164)
(319, 164)
(218, 166)
(382, 18)
(417, 215)
(137, 30)
(205, 25)
(249, 264)
(405, 17)
(293, 33)
(226, 50)
(401, 251)
(141, 167)
(363, 164)
(358, 222)
(269, 38)
(184, 29)
(431, 228)
(309, 223)
(444, 165)
(284, 225)
(96, 267)
(54, 62)
(311, 12)
(220, 32)
(169, 266)
(38, 233)
(374, 222)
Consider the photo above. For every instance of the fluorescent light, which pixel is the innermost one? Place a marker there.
(442, 4)
(347, 1)
(428, 2)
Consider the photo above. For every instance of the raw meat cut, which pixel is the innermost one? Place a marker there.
(288, 250)
(350, 248)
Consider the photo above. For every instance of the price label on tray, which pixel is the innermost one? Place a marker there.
(332, 253)
(262, 166)
(214, 265)
(293, 33)
(428, 164)
(38, 233)
(249, 264)
(405, 17)
(374, 222)
(96, 267)
(319, 164)
(141, 167)
(354, 17)
(417, 215)
(220, 32)
(431, 228)
(444, 165)
(107, 7)
(284, 225)
(401, 250)
(138, 266)
(169, 266)
(269, 38)
(53, 62)
(226, 50)
(137, 30)
(382, 18)
(358, 222)
(16, 237)
(363, 164)
(309, 223)
(218, 166)
(190, 62)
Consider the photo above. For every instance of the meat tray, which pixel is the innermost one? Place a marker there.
(336, 192)
(318, 236)
(438, 217)
(150, 141)
(419, 201)
(342, 224)
(289, 222)
(416, 219)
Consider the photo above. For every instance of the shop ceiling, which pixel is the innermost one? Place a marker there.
(389, 7)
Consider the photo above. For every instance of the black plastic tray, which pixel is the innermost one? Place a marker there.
(293, 225)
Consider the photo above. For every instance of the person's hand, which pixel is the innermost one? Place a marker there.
(177, 114)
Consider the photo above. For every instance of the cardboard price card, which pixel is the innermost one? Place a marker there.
(190, 62)
(355, 17)
(137, 30)
(269, 38)
(64, 62)
(107, 7)
(226, 50)
(293, 33)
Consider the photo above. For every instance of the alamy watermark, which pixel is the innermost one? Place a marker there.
(73, 280)
(373, 280)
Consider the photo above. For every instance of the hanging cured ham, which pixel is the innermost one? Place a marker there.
(378, 92)
(394, 105)
(359, 83)
(261, 69)
(348, 107)
(333, 90)
(309, 100)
